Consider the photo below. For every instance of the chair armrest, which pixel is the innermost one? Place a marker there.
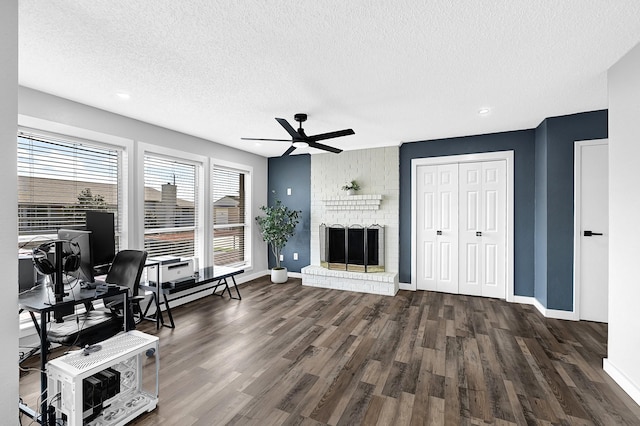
(114, 304)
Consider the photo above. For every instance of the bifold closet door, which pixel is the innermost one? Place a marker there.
(482, 228)
(437, 228)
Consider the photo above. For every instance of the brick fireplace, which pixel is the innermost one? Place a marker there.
(376, 204)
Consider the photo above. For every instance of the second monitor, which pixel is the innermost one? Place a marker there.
(102, 226)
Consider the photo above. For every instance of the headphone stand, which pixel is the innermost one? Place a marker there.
(58, 282)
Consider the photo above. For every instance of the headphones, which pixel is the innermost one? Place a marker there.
(70, 258)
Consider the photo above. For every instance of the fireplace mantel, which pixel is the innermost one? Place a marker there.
(354, 202)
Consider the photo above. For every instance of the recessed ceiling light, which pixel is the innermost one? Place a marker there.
(258, 144)
(123, 95)
(484, 111)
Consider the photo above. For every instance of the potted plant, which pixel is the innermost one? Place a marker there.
(351, 187)
(276, 226)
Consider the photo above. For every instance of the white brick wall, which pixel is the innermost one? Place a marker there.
(384, 283)
(377, 172)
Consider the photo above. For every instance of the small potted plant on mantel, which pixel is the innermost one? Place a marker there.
(276, 226)
(351, 187)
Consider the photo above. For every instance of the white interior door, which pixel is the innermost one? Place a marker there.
(426, 195)
(593, 200)
(447, 232)
(483, 229)
(437, 228)
(459, 196)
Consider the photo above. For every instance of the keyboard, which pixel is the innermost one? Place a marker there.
(91, 286)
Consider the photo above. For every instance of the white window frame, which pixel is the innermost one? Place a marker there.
(46, 128)
(98, 141)
(202, 166)
(248, 208)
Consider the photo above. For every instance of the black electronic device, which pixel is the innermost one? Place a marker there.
(102, 227)
(110, 377)
(83, 240)
(182, 282)
(91, 393)
(26, 273)
(97, 389)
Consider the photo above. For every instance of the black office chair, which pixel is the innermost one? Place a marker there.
(126, 270)
(95, 326)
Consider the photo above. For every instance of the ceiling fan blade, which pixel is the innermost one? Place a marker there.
(289, 151)
(330, 135)
(324, 147)
(284, 123)
(256, 139)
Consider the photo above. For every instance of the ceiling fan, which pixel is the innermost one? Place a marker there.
(301, 140)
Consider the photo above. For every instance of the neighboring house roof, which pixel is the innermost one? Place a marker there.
(154, 195)
(34, 190)
(227, 201)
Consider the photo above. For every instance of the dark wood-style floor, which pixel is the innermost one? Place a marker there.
(292, 355)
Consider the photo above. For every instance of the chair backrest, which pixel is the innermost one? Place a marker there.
(127, 268)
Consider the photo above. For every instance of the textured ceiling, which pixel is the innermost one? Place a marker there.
(393, 71)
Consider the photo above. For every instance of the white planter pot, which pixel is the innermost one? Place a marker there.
(279, 276)
(351, 192)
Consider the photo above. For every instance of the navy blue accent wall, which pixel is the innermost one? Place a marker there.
(293, 171)
(562, 132)
(522, 144)
(540, 259)
(543, 191)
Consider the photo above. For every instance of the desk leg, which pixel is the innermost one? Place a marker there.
(35, 323)
(226, 288)
(237, 289)
(44, 350)
(221, 281)
(159, 319)
(166, 303)
(146, 309)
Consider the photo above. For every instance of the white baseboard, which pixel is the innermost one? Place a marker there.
(248, 277)
(525, 300)
(622, 380)
(554, 313)
(268, 272)
(406, 286)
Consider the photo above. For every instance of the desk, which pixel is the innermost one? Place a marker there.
(41, 300)
(217, 275)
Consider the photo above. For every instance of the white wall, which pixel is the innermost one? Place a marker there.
(48, 112)
(624, 204)
(9, 210)
(377, 171)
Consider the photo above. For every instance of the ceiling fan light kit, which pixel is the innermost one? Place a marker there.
(299, 138)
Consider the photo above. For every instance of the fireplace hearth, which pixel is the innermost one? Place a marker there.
(352, 248)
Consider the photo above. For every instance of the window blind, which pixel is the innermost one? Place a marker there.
(170, 200)
(58, 180)
(229, 216)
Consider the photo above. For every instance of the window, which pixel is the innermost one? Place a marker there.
(170, 200)
(230, 229)
(58, 180)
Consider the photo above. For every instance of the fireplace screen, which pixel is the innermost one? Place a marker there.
(352, 248)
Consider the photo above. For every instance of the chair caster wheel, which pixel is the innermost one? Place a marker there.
(150, 352)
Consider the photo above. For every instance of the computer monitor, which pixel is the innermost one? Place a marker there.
(26, 272)
(102, 226)
(84, 241)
